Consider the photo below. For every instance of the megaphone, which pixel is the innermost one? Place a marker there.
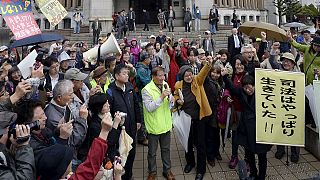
(110, 46)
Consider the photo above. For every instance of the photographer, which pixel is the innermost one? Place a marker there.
(20, 164)
(52, 156)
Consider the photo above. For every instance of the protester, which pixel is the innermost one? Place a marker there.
(122, 98)
(208, 44)
(131, 19)
(96, 29)
(213, 19)
(246, 132)
(171, 16)
(157, 116)
(197, 19)
(77, 17)
(195, 104)
(187, 19)
(213, 87)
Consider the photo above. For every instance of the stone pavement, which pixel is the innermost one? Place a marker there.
(307, 167)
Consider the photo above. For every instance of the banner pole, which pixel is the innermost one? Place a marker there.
(287, 162)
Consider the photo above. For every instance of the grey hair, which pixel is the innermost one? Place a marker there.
(62, 88)
(248, 46)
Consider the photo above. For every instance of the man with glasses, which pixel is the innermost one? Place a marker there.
(249, 55)
(155, 60)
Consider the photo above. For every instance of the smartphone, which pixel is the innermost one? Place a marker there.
(67, 114)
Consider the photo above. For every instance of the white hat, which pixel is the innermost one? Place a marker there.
(152, 36)
(207, 32)
(3, 48)
(63, 57)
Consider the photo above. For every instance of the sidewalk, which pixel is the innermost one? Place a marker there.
(307, 166)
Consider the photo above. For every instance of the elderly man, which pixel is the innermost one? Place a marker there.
(235, 43)
(158, 121)
(55, 111)
(249, 55)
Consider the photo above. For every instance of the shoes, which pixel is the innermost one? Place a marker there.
(151, 177)
(212, 163)
(218, 157)
(279, 154)
(199, 176)
(169, 176)
(188, 168)
(233, 162)
(294, 158)
(143, 142)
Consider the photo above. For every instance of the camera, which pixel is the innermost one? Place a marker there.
(123, 115)
(35, 125)
(34, 85)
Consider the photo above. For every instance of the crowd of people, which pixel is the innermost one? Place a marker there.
(64, 121)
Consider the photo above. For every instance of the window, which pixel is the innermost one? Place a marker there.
(67, 23)
(79, 3)
(243, 19)
(215, 1)
(258, 18)
(235, 2)
(56, 27)
(243, 3)
(227, 20)
(46, 24)
(65, 3)
(228, 2)
(222, 2)
(250, 18)
(71, 3)
(38, 21)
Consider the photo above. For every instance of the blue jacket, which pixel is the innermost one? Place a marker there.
(143, 75)
(197, 15)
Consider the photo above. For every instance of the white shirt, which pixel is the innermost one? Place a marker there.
(236, 41)
(54, 81)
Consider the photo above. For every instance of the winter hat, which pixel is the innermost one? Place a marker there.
(53, 161)
(183, 70)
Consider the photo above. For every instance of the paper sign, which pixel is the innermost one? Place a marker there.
(27, 63)
(22, 25)
(316, 87)
(14, 7)
(280, 100)
(53, 10)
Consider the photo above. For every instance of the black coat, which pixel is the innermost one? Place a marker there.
(246, 132)
(231, 48)
(126, 102)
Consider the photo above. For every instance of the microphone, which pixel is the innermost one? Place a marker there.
(166, 87)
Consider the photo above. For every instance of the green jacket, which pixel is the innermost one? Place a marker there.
(309, 55)
(157, 114)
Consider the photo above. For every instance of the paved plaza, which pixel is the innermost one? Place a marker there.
(307, 167)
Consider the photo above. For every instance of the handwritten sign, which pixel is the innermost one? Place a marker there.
(280, 109)
(14, 7)
(53, 10)
(22, 25)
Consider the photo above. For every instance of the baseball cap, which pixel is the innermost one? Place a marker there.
(63, 57)
(201, 51)
(75, 74)
(3, 48)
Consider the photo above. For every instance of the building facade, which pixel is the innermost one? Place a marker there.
(246, 10)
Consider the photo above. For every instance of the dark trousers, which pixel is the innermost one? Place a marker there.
(262, 158)
(146, 27)
(234, 144)
(294, 150)
(96, 35)
(131, 25)
(186, 27)
(197, 137)
(129, 164)
(164, 140)
(212, 142)
(235, 52)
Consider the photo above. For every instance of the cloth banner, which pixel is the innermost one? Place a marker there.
(14, 7)
(280, 101)
(316, 87)
(53, 10)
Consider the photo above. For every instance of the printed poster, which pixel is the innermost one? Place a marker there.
(53, 10)
(280, 101)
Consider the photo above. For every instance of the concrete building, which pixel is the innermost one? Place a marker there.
(246, 10)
